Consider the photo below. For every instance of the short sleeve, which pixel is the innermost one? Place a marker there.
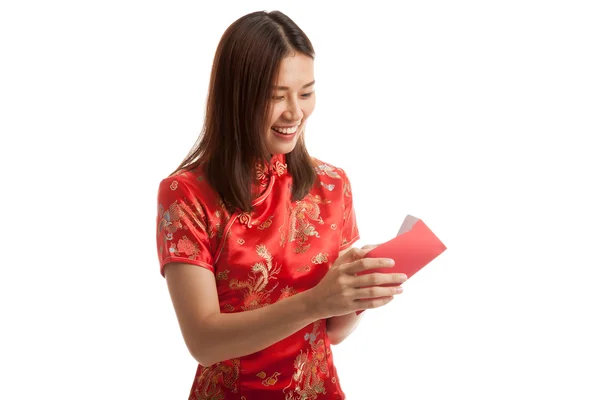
(181, 226)
(350, 232)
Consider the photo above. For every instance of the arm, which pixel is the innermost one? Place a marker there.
(211, 336)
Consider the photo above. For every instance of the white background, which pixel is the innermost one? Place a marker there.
(481, 117)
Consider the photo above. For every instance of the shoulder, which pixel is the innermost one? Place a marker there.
(331, 181)
(188, 185)
(326, 171)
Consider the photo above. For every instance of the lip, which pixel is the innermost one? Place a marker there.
(287, 138)
(287, 126)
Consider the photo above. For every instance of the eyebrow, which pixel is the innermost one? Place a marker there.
(287, 88)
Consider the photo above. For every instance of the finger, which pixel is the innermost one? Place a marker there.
(376, 292)
(373, 303)
(369, 247)
(378, 279)
(366, 264)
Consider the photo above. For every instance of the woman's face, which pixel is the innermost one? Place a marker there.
(292, 103)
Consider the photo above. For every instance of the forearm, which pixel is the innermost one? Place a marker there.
(230, 335)
(340, 327)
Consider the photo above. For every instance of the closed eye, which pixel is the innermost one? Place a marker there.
(305, 95)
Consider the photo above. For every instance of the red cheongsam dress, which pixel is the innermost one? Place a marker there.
(282, 248)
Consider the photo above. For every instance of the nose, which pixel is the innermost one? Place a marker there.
(293, 111)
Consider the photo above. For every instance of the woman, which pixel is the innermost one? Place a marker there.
(254, 235)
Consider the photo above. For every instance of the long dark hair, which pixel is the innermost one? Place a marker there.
(238, 106)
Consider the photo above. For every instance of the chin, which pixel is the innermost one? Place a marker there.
(282, 148)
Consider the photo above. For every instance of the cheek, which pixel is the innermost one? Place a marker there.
(276, 114)
(308, 108)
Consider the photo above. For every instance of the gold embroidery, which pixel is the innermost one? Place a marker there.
(347, 189)
(228, 308)
(320, 258)
(215, 377)
(266, 224)
(325, 169)
(223, 275)
(300, 227)
(280, 168)
(308, 379)
(287, 292)
(245, 219)
(241, 241)
(218, 222)
(174, 185)
(261, 171)
(185, 246)
(334, 226)
(303, 268)
(255, 293)
(262, 375)
(270, 381)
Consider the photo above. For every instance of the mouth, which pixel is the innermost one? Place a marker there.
(286, 132)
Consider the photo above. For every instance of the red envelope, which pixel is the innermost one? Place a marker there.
(413, 248)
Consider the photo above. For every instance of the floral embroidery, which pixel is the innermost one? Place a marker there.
(212, 379)
(173, 220)
(185, 246)
(255, 293)
(296, 239)
(311, 368)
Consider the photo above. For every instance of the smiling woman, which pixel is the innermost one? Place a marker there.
(254, 235)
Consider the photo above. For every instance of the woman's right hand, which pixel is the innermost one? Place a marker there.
(341, 291)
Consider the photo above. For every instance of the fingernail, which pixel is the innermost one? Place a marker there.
(389, 262)
(398, 289)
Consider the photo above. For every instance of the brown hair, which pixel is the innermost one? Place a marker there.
(245, 67)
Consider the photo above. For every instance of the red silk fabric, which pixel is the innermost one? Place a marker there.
(282, 248)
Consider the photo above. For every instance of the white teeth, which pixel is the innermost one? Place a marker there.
(287, 131)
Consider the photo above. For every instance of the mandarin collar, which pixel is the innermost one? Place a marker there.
(277, 167)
